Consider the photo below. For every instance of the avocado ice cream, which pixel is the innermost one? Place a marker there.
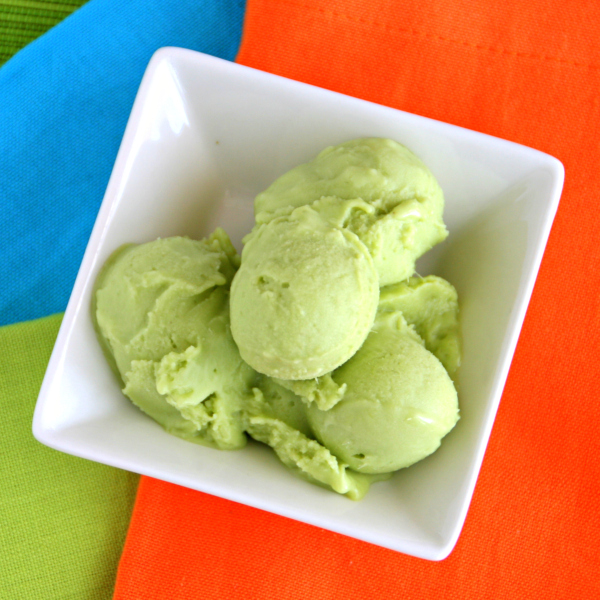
(321, 344)
(430, 305)
(374, 187)
(399, 402)
(162, 315)
(388, 407)
(304, 298)
(277, 417)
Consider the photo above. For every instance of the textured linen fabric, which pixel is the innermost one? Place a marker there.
(64, 104)
(525, 70)
(22, 21)
(63, 519)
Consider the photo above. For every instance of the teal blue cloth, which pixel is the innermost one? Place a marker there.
(64, 104)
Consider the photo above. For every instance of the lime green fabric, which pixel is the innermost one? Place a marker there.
(21, 21)
(63, 519)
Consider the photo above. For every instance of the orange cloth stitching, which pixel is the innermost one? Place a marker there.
(414, 32)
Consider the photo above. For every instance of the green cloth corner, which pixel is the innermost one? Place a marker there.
(63, 520)
(22, 21)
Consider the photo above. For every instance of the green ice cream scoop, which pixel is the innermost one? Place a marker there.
(430, 305)
(276, 416)
(374, 187)
(162, 315)
(304, 298)
(399, 402)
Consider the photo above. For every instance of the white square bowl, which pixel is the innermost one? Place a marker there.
(204, 137)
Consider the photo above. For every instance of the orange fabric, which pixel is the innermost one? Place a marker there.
(525, 70)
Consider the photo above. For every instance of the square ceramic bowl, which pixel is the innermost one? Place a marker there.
(204, 137)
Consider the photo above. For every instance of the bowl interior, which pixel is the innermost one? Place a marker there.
(205, 136)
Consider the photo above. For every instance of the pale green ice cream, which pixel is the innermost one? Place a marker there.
(430, 305)
(162, 315)
(374, 187)
(399, 402)
(277, 417)
(269, 399)
(321, 344)
(304, 298)
(323, 391)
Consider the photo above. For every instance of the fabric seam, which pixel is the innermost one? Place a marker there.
(414, 32)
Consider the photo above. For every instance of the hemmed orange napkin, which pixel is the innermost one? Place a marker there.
(525, 70)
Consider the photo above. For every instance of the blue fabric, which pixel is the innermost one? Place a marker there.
(64, 104)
